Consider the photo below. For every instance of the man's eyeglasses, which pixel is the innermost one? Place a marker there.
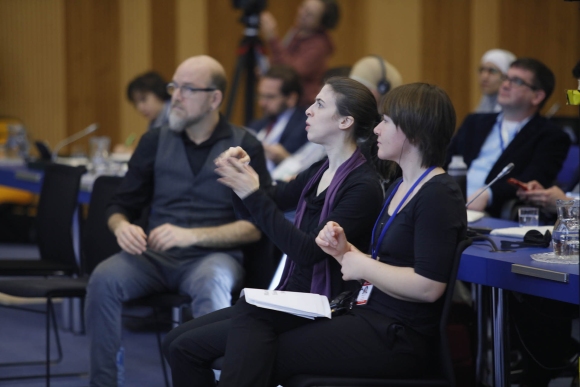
(489, 70)
(186, 91)
(519, 82)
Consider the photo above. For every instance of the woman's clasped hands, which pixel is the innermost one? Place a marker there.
(236, 173)
(332, 240)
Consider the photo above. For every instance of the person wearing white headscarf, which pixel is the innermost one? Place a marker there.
(492, 71)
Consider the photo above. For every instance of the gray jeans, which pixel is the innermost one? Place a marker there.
(208, 280)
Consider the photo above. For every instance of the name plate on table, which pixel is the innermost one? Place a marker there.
(540, 273)
(33, 177)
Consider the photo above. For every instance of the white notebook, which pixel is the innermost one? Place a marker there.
(519, 232)
(306, 305)
(472, 216)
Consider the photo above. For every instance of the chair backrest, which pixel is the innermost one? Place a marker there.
(261, 260)
(99, 242)
(444, 351)
(56, 208)
(569, 168)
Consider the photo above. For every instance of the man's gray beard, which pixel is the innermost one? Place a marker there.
(178, 124)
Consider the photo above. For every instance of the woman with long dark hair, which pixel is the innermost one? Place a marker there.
(342, 188)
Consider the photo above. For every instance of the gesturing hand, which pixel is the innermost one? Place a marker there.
(131, 238)
(238, 176)
(167, 236)
(352, 263)
(236, 152)
(332, 240)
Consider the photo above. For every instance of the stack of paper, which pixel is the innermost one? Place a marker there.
(519, 232)
(300, 304)
(472, 216)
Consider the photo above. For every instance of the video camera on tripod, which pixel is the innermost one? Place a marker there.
(249, 54)
(252, 9)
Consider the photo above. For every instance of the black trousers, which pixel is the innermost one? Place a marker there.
(262, 347)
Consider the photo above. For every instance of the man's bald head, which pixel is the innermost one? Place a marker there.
(211, 70)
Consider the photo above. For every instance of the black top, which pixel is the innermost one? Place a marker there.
(424, 235)
(136, 189)
(357, 204)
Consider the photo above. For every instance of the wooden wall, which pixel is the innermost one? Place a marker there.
(66, 63)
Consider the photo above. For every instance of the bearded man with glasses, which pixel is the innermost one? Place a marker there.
(192, 243)
(519, 135)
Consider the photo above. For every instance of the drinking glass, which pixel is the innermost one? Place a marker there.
(528, 216)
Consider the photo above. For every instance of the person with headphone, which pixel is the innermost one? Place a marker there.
(377, 74)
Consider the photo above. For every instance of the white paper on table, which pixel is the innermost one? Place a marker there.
(472, 216)
(306, 305)
(519, 232)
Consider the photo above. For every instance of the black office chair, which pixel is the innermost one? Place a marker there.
(57, 206)
(54, 223)
(445, 375)
(99, 243)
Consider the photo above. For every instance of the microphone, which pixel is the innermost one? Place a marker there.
(88, 130)
(507, 169)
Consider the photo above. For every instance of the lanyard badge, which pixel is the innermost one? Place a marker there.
(365, 292)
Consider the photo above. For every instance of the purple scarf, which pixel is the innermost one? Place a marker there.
(321, 270)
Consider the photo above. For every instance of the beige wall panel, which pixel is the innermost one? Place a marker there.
(350, 34)
(135, 59)
(192, 27)
(93, 68)
(550, 32)
(163, 37)
(484, 36)
(394, 31)
(32, 74)
(446, 46)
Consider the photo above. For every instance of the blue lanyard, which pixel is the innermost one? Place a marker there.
(499, 122)
(501, 140)
(375, 247)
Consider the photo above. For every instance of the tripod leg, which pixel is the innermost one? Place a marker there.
(234, 89)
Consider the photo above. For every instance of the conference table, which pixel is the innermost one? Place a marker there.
(514, 271)
(501, 271)
(17, 175)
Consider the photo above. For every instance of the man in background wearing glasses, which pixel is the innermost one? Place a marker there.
(519, 135)
(192, 242)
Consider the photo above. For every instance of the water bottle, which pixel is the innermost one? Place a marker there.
(121, 367)
(457, 169)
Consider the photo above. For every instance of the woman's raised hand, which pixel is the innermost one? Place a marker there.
(236, 152)
(232, 166)
(332, 240)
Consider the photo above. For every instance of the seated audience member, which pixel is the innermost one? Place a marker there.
(192, 243)
(408, 274)
(492, 71)
(307, 47)
(377, 74)
(369, 72)
(282, 129)
(344, 186)
(518, 135)
(148, 93)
